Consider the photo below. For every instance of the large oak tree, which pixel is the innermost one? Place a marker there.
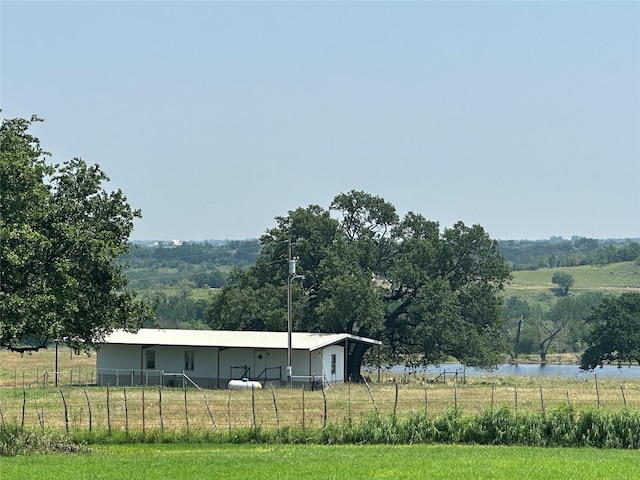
(613, 332)
(427, 294)
(60, 234)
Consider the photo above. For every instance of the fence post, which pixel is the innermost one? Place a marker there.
(303, 408)
(624, 399)
(253, 407)
(143, 419)
(395, 403)
(493, 394)
(229, 410)
(371, 395)
(126, 412)
(597, 391)
(349, 400)
(66, 412)
(515, 396)
(455, 393)
(2, 416)
(89, 408)
(426, 400)
(541, 400)
(275, 407)
(160, 407)
(186, 411)
(24, 404)
(206, 402)
(324, 400)
(108, 411)
(40, 417)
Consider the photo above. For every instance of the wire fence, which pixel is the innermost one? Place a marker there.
(189, 408)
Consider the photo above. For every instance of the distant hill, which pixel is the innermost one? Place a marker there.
(614, 278)
(558, 252)
(187, 264)
(178, 278)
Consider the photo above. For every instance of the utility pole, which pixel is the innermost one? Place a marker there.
(291, 274)
(292, 271)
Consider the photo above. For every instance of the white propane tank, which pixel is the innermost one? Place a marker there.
(244, 384)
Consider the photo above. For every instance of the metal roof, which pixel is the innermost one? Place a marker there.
(231, 339)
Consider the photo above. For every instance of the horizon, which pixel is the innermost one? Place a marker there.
(550, 239)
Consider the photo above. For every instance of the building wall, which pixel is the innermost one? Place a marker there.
(126, 365)
(119, 356)
(333, 372)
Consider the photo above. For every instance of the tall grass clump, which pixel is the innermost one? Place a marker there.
(502, 426)
(15, 440)
(562, 426)
(609, 429)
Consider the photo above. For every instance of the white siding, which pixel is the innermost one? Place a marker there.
(119, 356)
(338, 351)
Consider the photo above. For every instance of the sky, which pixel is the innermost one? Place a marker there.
(216, 117)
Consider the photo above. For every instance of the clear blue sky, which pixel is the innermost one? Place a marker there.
(216, 117)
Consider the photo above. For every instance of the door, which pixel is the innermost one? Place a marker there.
(260, 365)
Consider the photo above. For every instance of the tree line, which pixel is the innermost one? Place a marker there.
(188, 264)
(558, 252)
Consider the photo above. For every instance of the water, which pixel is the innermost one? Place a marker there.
(525, 369)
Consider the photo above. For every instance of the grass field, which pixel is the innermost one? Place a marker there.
(136, 408)
(284, 462)
(616, 278)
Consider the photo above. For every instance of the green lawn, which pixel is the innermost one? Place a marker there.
(535, 286)
(298, 462)
(589, 277)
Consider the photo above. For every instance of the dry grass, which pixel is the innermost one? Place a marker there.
(22, 379)
(297, 408)
(38, 368)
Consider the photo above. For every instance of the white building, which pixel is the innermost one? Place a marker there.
(211, 358)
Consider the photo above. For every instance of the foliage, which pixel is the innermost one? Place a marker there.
(196, 264)
(564, 281)
(427, 294)
(563, 426)
(60, 233)
(558, 252)
(559, 327)
(614, 334)
(179, 310)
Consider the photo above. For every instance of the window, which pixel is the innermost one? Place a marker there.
(188, 360)
(151, 359)
(333, 364)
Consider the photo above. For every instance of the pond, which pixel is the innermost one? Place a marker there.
(524, 369)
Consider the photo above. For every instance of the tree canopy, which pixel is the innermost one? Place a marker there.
(614, 335)
(60, 234)
(564, 281)
(428, 294)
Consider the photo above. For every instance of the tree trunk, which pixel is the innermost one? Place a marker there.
(354, 361)
(517, 342)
